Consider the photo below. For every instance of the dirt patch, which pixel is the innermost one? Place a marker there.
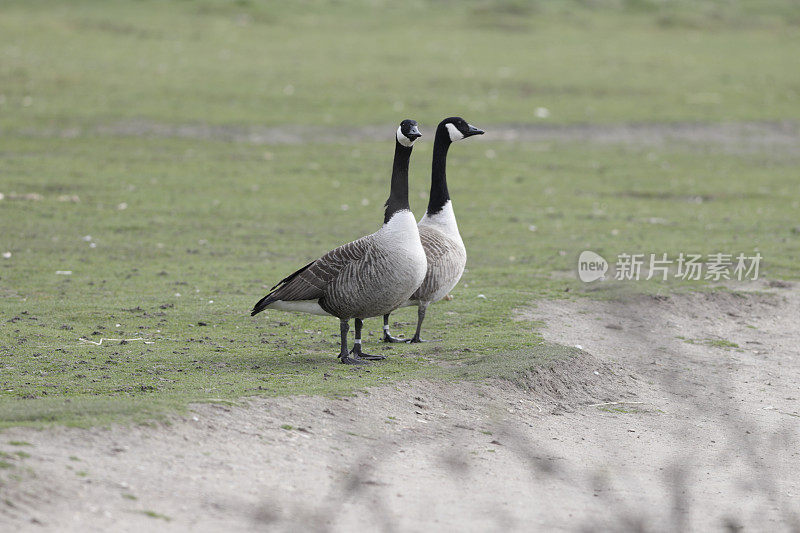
(373, 460)
(723, 375)
(734, 137)
(570, 383)
(679, 413)
(726, 333)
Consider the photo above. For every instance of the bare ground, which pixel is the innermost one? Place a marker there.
(681, 413)
(736, 137)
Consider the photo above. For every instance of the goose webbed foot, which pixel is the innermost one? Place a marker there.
(358, 354)
(416, 340)
(423, 306)
(345, 359)
(344, 356)
(387, 337)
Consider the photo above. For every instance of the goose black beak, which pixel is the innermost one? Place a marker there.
(414, 133)
(473, 131)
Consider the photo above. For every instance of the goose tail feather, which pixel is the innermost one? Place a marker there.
(264, 302)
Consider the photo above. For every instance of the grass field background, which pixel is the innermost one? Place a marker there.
(172, 240)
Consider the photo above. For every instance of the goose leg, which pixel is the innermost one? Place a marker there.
(356, 351)
(387, 337)
(423, 306)
(344, 356)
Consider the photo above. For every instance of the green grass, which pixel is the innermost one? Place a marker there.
(212, 222)
(171, 241)
(721, 343)
(84, 63)
(153, 514)
(716, 343)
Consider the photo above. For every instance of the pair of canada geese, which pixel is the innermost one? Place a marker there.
(401, 264)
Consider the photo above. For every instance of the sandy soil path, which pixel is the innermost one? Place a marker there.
(661, 424)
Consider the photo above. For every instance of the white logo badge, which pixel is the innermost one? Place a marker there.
(591, 266)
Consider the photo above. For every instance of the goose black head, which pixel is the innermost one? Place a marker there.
(458, 128)
(408, 132)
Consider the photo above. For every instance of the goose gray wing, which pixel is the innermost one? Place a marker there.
(446, 261)
(309, 282)
(438, 247)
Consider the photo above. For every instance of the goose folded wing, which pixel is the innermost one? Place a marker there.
(309, 282)
(438, 248)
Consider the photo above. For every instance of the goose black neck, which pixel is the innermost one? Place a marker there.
(398, 195)
(439, 194)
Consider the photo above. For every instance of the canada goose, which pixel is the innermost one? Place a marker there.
(367, 277)
(438, 230)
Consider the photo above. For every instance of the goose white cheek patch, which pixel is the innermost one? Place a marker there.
(455, 135)
(402, 139)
